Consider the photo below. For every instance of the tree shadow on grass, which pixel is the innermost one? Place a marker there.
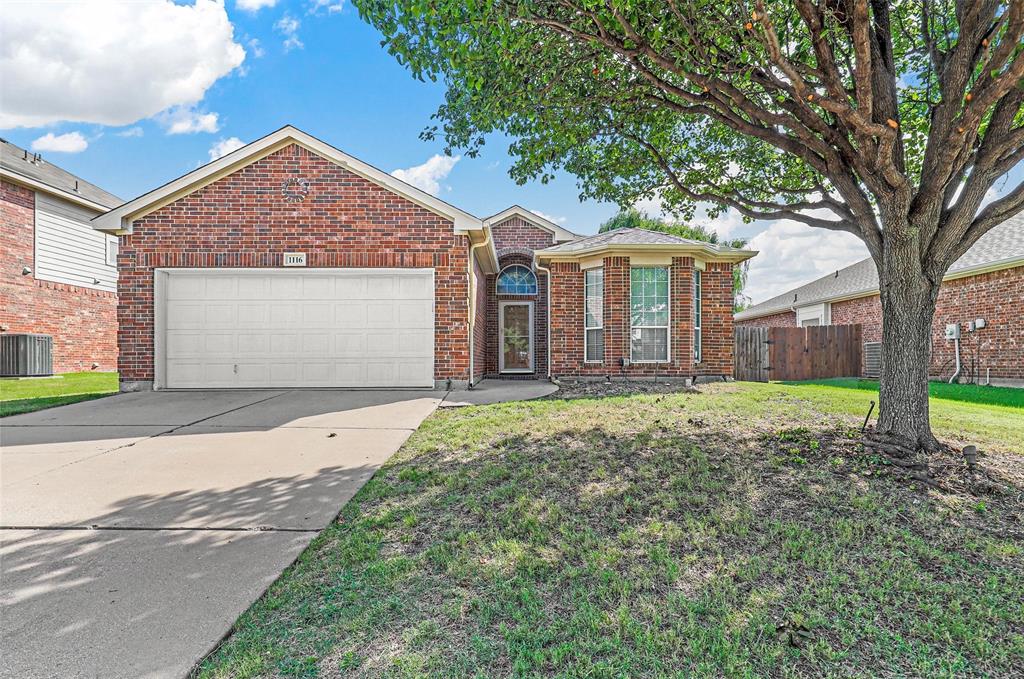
(593, 551)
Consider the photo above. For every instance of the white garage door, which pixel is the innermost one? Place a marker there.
(249, 328)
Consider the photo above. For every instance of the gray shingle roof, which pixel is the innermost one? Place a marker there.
(21, 162)
(631, 237)
(1003, 243)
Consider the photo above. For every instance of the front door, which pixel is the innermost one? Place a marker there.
(516, 333)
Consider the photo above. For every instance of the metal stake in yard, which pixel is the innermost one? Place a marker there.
(867, 417)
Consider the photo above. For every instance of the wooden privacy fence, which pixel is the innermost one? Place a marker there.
(810, 353)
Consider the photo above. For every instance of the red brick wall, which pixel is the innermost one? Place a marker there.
(82, 321)
(783, 319)
(516, 232)
(242, 220)
(997, 297)
(567, 321)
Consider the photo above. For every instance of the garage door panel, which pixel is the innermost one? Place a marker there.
(219, 315)
(252, 287)
(253, 343)
(271, 328)
(252, 315)
(316, 315)
(350, 344)
(380, 287)
(222, 287)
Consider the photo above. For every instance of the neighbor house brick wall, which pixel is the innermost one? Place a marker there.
(783, 319)
(567, 321)
(997, 296)
(242, 220)
(82, 321)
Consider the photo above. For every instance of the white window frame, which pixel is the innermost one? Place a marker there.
(112, 248)
(501, 337)
(536, 283)
(586, 329)
(667, 326)
(822, 312)
(698, 316)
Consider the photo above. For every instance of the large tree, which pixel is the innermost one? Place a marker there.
(888, 120)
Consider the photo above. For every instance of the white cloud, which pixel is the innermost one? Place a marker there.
(329, 6)
(111, 63)
(255, 48)
(71, 142)
(130, 132)
(556, 220)
(254, 5)
(225, 146)
(288, 26)
(430, 174)
(791, 254)
(187, 120)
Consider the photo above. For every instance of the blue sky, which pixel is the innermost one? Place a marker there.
(130, 95)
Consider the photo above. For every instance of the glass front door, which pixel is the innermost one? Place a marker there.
(516, 337)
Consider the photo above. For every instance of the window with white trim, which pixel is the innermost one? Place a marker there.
(593, 315)
(111, 253)
(698, 314)
(516, 280)
(649, 316)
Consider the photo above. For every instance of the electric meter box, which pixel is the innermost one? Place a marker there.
(953, 331)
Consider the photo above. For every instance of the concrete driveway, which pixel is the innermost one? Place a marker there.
(136, 528)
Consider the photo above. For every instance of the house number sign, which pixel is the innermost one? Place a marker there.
(295, 259)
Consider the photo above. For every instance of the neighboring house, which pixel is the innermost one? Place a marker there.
(59, 274)
(987, 283)
(288, 263)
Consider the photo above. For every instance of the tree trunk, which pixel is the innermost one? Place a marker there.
(908, 306)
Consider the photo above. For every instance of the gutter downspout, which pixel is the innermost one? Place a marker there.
(547, 272)
(472, 302)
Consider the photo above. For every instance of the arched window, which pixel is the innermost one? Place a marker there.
(517, 280)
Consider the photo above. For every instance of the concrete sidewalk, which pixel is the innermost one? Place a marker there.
(137, 528)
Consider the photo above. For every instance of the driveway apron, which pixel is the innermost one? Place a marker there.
(135, 529)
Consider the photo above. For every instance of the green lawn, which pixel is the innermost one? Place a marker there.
(26, 395)
(741, 531)
(970, 393)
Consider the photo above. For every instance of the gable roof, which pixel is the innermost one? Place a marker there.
(30, 169)
(642, 239)
(560, 234)
(120, 219)
(1000, 248)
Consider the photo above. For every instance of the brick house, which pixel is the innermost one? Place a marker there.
(290, 263)
(58, 273)
(986, 284)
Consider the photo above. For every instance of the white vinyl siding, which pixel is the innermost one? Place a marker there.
(593, 315)
(68, 249)
(251, 328)
(649, 314)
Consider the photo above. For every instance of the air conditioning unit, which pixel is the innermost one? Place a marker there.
(25, 355)
(872, 359)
